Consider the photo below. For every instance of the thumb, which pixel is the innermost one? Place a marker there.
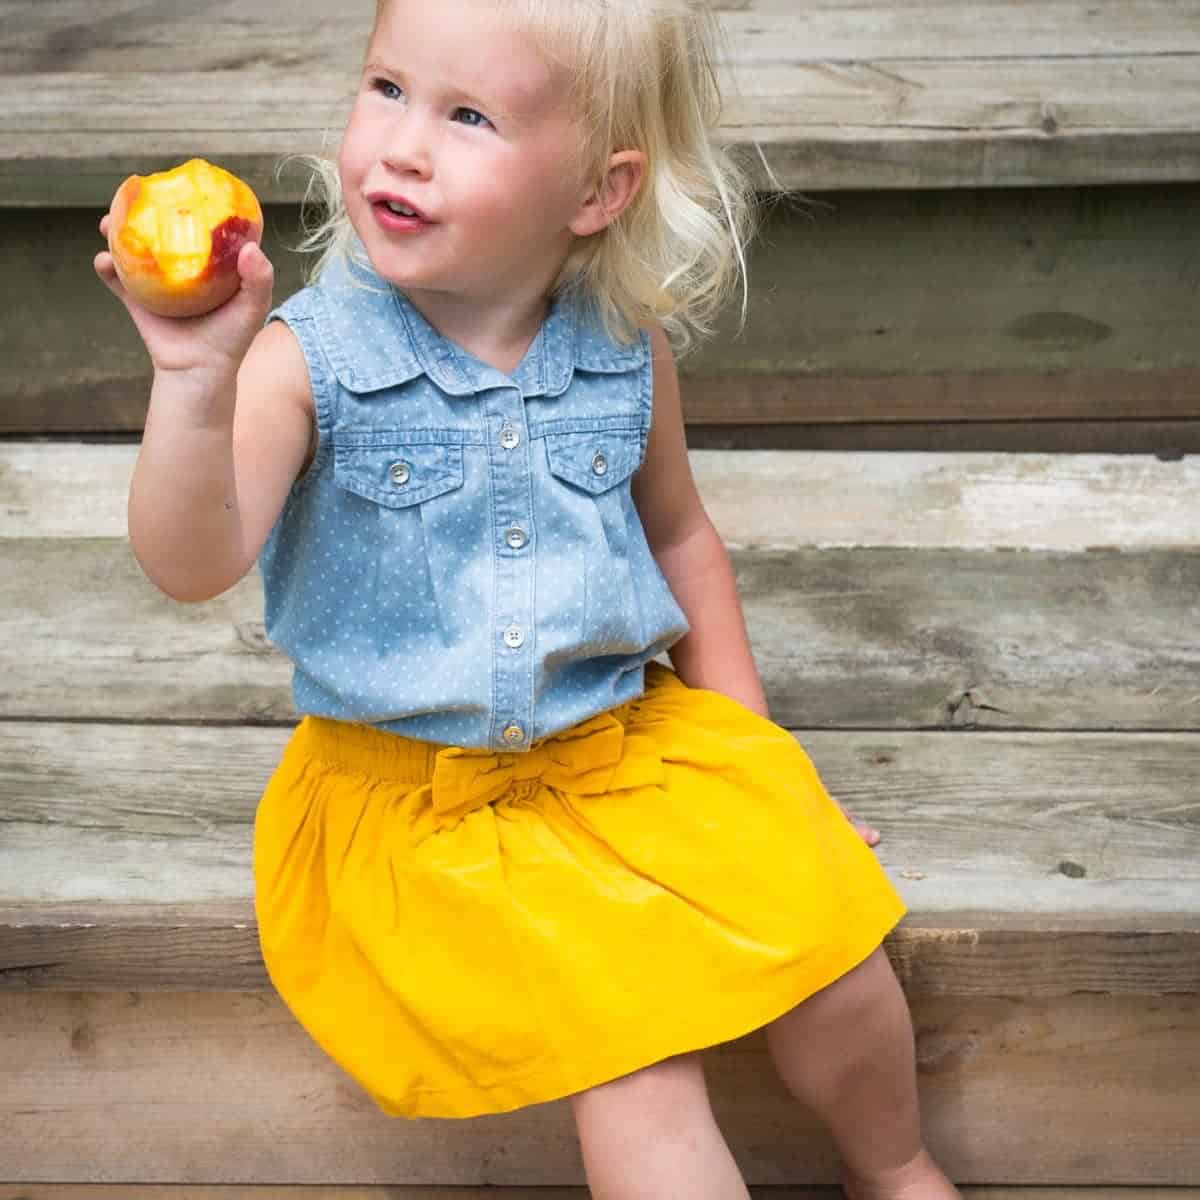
(255, 269)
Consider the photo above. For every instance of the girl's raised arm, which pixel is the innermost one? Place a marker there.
(227, 433)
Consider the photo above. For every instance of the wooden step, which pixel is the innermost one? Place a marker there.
(987, 656)
(222, 1088)
(935, 93)
(924, 591)
(1033, 865)
(868, 326)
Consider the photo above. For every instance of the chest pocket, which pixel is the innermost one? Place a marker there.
(399, 474)
(597, 518)
(595, 460)
(403, 579)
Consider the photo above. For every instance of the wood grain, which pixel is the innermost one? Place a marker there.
(867, 638)
(1031, 864)
(867, 96)
(889, 309)
(767, 500)
(226, 1088)
(860, 617)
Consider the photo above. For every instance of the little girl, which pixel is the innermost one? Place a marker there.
(508, 855)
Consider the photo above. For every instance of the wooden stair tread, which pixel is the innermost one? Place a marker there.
(882, 95)
(893, 591)
(1060, 862)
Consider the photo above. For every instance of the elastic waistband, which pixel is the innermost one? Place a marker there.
(384, 755)
(364, 749)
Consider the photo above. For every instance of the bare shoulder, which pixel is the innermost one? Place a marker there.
(276, 361)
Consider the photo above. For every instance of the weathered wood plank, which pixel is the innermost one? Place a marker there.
(785, 500)
(870, 311)
(926, 95)
(1169, 440)
(210, 945)
(1031, 864)
(262, 1104)
(131, 35)
(859, 616)
(883, 638)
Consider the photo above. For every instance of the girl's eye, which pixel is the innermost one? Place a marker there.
(470, 116)
(387, 89)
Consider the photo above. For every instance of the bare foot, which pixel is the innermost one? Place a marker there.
(921, 1179)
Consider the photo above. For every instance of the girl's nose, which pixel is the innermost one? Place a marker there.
(408, 147)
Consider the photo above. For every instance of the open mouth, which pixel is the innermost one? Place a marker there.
(397, 217)
(389, 206)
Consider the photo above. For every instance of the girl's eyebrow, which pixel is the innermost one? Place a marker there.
(523, 101)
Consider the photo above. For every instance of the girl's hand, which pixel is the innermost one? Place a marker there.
(215, 342)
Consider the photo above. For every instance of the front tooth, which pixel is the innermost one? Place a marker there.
(399, 208)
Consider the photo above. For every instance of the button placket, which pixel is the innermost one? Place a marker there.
(511, 472)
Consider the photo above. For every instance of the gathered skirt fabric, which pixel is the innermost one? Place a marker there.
(467, 932)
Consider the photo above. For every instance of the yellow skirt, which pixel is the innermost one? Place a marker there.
(466, 932)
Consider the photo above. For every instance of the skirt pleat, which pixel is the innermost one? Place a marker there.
(469, 933)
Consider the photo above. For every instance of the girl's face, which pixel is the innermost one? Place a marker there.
(459, 118)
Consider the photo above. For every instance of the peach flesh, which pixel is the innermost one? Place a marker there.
(175, 237)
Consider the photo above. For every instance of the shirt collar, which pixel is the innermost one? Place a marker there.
(359, 316)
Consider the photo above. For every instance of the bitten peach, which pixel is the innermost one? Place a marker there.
(175, 236)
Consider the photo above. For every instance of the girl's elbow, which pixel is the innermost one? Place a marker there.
(186, 586)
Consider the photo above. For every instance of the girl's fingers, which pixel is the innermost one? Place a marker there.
(869, 835)
(104, 220)
(865, 831)
(108, 273)
(255, 268)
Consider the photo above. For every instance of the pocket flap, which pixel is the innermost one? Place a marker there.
(595, 460)
(398, 474)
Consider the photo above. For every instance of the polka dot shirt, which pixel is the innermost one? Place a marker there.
(463, 561)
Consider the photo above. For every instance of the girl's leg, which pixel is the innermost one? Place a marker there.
(848, 1053)
(652, 1136)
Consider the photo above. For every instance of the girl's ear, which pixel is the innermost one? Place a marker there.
(622, 179)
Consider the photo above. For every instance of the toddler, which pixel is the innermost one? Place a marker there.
(509, 855)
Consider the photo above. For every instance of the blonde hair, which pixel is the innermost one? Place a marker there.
(644, 77)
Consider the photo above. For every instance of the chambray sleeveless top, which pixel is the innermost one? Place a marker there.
(463, 562)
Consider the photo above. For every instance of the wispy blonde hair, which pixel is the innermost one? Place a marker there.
(644, 76)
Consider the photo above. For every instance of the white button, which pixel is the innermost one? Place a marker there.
(600, 463)
(399, 472)
(514, 734)
(514, 636)
(510, 438)
(516, 537)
